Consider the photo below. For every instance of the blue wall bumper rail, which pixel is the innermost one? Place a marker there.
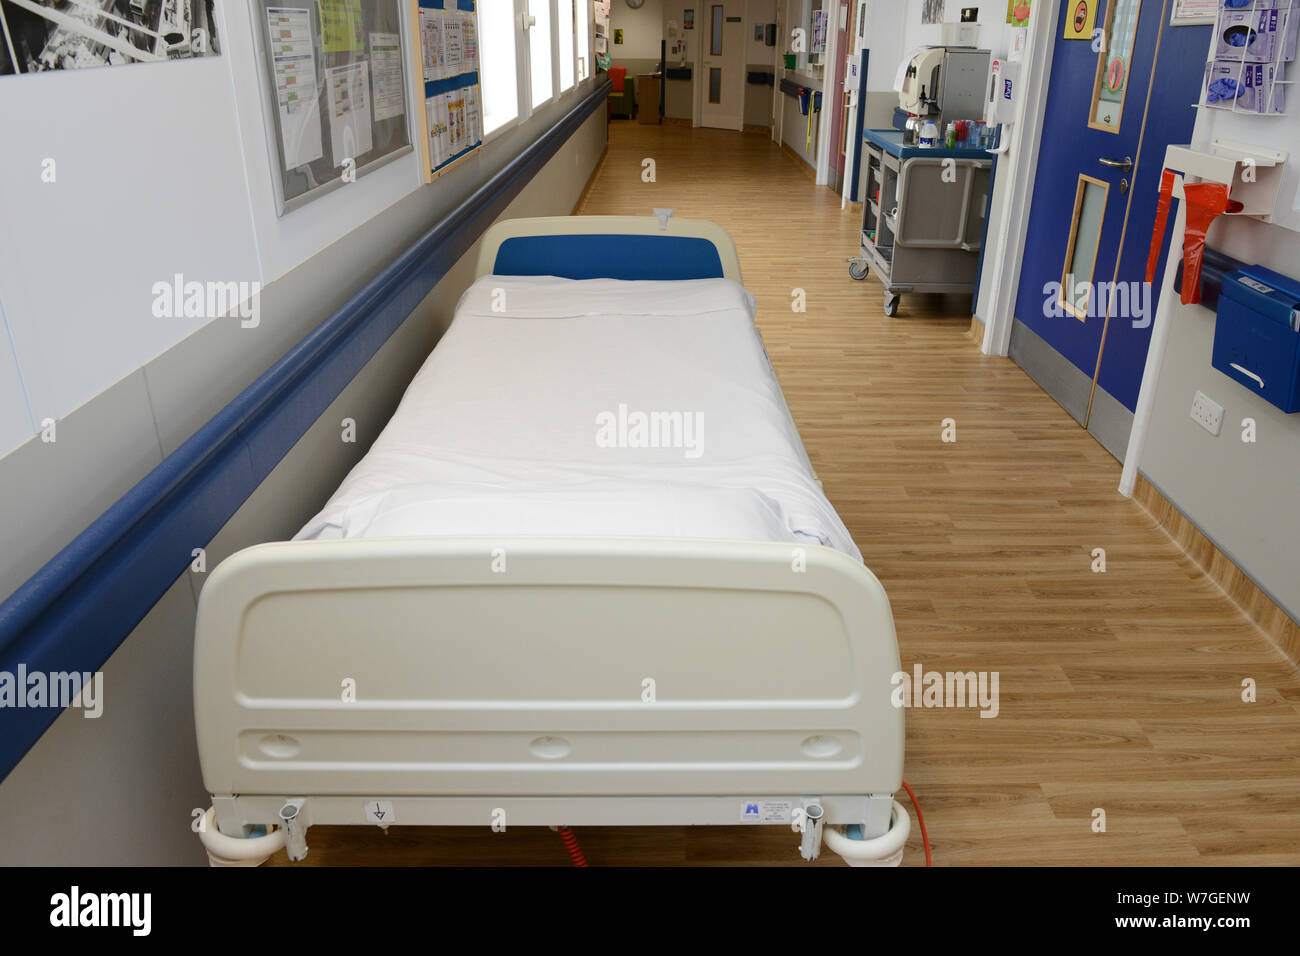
(73, 613)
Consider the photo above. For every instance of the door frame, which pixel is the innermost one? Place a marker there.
(1018, 172)
(830, 97)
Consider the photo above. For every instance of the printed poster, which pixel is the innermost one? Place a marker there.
(439, 130)
(294, 63)
(386, 75)
(451, 46)
(340, 26)
(431, 47)
(349, 106)
(468, 43)
(1080, 19)
(473, 115)
(1018, 12)
(456, 138)
(1188, 12)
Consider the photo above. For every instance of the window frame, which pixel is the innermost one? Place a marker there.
(524, 56)
(518, 117)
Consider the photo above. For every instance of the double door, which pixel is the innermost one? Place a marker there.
(1083, 308)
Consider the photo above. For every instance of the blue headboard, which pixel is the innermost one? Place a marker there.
(609, 256)
(609, 247)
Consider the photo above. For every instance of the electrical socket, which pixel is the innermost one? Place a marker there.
(1207, 413)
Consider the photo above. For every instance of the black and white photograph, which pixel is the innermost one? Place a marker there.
(42, 35)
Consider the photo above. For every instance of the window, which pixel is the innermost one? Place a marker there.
(584, 39)
(566, 29)
(518, 73)
(539, 51)
(498, 71)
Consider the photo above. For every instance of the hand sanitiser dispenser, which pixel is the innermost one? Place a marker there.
(1257, 334)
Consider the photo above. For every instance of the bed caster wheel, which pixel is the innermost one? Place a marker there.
(234, 851)
(891, 305)
(858, 269)
(886, 850)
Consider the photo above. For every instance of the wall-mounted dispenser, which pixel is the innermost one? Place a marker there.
(1257, 334)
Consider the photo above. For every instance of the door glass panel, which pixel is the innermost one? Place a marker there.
(1081, 253)
(1114, 64)
(715, 33)
(715, 85)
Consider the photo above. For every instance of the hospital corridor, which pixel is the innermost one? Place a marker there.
(984, 547)
(514, 435)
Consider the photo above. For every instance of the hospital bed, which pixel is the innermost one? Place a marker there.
(585, 576)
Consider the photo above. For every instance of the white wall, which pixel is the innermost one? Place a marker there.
(642, 29)
(757, 51)
(149, 182)
(160, 169)
(995, 32)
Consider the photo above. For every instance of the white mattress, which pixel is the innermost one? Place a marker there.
(512, 426)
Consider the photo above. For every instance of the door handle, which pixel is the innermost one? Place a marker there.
(1125, 164)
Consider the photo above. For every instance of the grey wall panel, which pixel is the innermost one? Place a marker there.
(1054, 373)
(53, 490)
(1110, 423)
(794, 131)
(118, 789)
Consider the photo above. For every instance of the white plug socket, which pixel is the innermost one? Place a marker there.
(1207, 413)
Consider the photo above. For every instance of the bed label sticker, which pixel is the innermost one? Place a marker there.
(381, 812)
(767, 811)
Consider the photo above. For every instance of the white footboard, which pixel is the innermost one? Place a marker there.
(543, 668)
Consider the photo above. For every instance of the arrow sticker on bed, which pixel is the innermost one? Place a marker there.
(381, 812)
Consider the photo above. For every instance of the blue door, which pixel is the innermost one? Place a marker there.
(1113, 106)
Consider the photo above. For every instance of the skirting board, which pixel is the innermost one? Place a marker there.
(1243, 592)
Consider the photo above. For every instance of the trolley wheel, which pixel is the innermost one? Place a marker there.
(891, 304)
(858, 270)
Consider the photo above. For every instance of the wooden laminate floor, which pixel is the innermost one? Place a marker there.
(1120, 691)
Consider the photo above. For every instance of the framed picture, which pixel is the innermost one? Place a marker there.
(38, 36)
(1186, 13)
(333, 93)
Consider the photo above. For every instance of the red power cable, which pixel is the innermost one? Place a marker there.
(571, 844)
(925, 837)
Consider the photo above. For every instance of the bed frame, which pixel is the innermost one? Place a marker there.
(539, 681)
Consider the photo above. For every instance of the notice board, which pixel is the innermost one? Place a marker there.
(447, 50)
(334, 87)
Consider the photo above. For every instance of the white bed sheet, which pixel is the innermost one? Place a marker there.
(500, 433)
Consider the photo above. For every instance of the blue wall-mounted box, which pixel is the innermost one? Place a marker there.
(1257, 334)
